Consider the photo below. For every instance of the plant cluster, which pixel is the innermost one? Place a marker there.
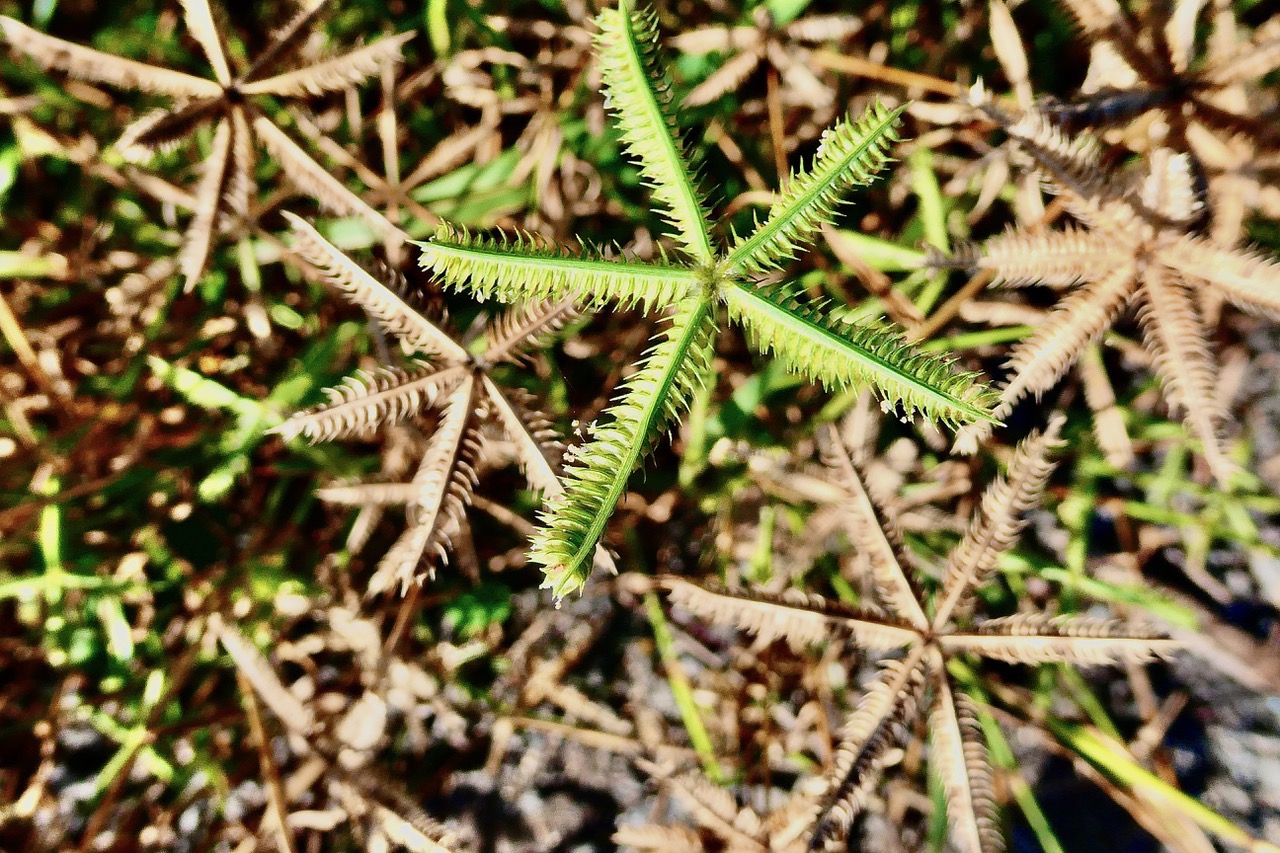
(710, 414)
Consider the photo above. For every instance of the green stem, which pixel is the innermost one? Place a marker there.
(1120, 766)
(681, 690)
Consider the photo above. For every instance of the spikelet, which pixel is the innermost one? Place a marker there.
(638, 94)
(1033, 638)
(537, 446)
(801, 335)
(799, 618)
(96, 67)
(876, 536)
(1250, 62)
(367, 402)
(526, 328)
(1109, 426)
(889, 704)
(959, 754)
(214, 174)
(368, 494)
(850, 155)
(712, 806)
(160, 131)
(444, 482)
(332, 75)
(648, 836)
(1174, 334)
(999, 522)
(360, 287)
(597, 473)
(1051, 258)
(1041, 360)
(258, 672)
(287, 39)
(727, 78)
(523, 269)
(821, 29)
(199, 20)
(1247, 278)
(316, 181)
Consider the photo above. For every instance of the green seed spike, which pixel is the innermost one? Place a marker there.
(778, 319)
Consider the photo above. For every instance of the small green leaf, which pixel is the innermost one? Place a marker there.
(26, 265)
(209, 394)
(119, 634)
(471, 613)
(438, 26)
(883, 255)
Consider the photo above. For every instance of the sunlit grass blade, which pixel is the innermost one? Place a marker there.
(1117, 762)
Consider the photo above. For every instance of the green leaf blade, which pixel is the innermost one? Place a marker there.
(652, 398)
(851, 153)
(639, 96)
(812, 345)
(523, 268)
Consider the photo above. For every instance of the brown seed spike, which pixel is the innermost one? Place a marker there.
(921, 682)
(225, 101)
(455, 384)
(1139, 226)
